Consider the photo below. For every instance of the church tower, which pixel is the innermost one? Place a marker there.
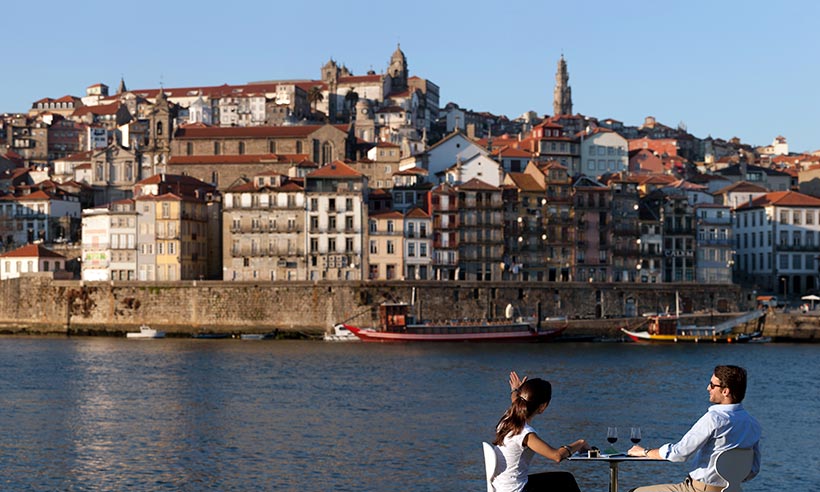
(562, 96)
(398, 70)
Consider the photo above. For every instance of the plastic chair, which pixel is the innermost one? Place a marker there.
(734, 465)
(493, 463)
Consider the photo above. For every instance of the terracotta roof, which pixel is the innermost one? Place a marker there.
(99, 110)
(412, 171)
(172, 179)
(336, 169)
(476, 184)
(237, 159)
(389, 214)
(508, 152)
(32, 251)
(417, 213)
(299, 131)
(782, 199)
(79, 156)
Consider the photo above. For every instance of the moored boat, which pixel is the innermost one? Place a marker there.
(340, 333)
(145, 332)
(396, 324)
(667, 328)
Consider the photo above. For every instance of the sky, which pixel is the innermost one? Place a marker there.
(727, 69)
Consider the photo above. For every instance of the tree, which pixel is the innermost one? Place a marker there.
(351, 98)
(315, 96)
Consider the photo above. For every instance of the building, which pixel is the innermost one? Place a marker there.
(336, 222)
(264, 235)
(418, 245)
(562, 94)
(480, 231)
(32, 258)
(603, 152)
(443, 207)
(38, 216)
(714, 244)
(109, 242)
(777, 238)
(592, 202)
(386, 249)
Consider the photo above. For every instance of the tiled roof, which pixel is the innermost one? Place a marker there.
(98, 110)
(525, 182)
(476, 184)
(32, 251)
(782, 199)
(417, 213)
(336, 169)
(389, 214)
(299, 131)
(79, 156)
(237, 159)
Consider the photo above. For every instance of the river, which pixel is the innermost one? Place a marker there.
(183, 414)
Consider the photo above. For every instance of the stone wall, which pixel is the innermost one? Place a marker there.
(43, 305)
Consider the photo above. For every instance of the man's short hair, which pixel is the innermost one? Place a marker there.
(734, 378)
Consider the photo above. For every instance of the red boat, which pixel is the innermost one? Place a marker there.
(397, 325)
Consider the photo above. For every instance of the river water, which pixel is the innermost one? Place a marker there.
(116, 414)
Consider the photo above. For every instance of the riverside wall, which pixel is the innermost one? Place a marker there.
(42, 305)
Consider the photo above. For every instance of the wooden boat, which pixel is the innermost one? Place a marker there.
(667, 328)
(146, 332)
(396, 324)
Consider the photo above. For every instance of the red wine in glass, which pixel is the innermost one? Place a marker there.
(612, 435)
(635, 435)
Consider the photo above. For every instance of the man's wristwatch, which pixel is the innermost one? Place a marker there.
(646, 452)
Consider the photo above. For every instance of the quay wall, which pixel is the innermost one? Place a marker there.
(40, 304)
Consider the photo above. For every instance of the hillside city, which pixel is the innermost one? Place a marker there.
(368, 178)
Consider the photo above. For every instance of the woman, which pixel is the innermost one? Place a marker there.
(518, 441)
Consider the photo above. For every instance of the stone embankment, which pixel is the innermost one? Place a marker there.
(39, 304)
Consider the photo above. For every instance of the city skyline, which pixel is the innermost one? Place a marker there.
(718, 70)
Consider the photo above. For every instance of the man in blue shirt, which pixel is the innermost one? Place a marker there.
(725, 426)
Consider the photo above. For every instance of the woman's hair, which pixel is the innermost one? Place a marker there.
(734, 378)
(529, 398)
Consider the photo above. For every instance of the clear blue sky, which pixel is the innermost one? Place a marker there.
(747, 69)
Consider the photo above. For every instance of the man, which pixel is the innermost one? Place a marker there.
(725, 426)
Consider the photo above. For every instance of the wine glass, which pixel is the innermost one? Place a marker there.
(635, 435)
(612, 435)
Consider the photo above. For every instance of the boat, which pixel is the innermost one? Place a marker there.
(210, 336)
(257, 336)
(340, 333)
(396, 324)
(668, 328)
(145, 332)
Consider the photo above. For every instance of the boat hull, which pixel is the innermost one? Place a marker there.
(518, 335)
(645, 337)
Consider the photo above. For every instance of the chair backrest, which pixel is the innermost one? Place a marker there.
(493, 463)
(734, 465)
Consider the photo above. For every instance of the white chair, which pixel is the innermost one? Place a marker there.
(734, 465)
(493, 463)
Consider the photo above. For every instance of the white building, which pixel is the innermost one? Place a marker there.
(479, 167)
(777, 239)
(602, 152)
(418, 245)
(336, 222)
(451, 149)
(32, 258)
(109, 250)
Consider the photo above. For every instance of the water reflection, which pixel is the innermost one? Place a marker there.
(113, 414)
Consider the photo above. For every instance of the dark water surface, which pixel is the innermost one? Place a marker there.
(117, 414)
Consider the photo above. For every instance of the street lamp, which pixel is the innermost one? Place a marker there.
(785, 287)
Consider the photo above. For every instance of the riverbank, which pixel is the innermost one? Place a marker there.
(38, 304)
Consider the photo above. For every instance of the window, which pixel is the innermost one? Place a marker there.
(217, 148)
(314, 223)
(189, 148)
(390, 226)
(348, 245)
(411, 249)
(331, 245)
(348, 204)
(374, 248)
(349, 223)
(272, 147)
(241, 148)
(391, 248)
(314, 245)
(423, 250)
(331, 223)
(314, 204)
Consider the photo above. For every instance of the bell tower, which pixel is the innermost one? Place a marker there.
(398, 70)
(562, 95)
